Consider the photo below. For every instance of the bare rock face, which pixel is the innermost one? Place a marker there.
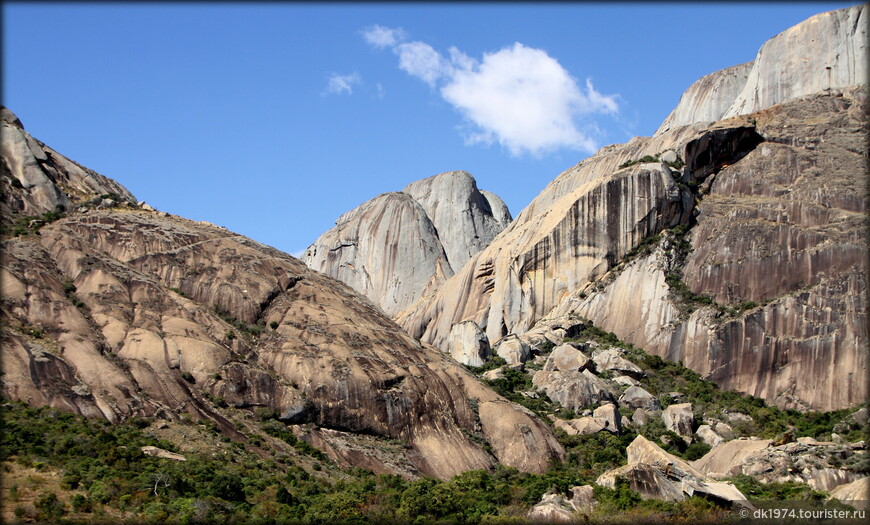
(774, 206)
(654, 473)
(36, 179)
(708, 98)
(725, 460)
(468, 344)
(398, 247)
(513, 350)
(822, 465)
(573, 390)
(533, 264)
(121, 312)
(775, 238)
(855, 494)
(678, 419)
(466, 219)
(386, 249)
(826, 52)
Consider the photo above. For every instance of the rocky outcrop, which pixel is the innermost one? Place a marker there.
(855, 494)
(556, 508)
(121, 312)
(573, 390)
(821, 465)
(654, 473)
(468, 344)
(398, 247)
(37, 180)
(778, 192)
(779, 239)
(826, 52)
(161, 453)
(466, 219)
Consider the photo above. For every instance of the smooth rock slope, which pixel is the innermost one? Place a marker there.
(121, 311)
(398, 247)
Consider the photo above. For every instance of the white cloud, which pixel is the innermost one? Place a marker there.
(339, 84)
(381, 37)
(422, 61)
(518, 96)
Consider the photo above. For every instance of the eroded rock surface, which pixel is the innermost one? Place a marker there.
(821, 465)
(125, 311)
(827, 51)
(774, 204)
(779, 234)
(36, 179)
(399, 246)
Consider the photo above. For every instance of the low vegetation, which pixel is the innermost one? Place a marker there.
(102, 474)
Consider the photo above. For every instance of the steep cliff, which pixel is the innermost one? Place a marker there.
(777, 266)
(465, 218)
(774, 203)
(825, 52)
(128, 311)
(400, 246)
(50, 181)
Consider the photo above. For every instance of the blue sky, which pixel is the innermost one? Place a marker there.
(274, 119)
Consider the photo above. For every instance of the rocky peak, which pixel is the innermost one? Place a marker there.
(466, 219)
(37, 180)
(825, 52)
(115, 313)
(400, 246)
(712, 243)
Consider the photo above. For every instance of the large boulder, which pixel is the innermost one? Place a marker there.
(679, 419)
(638, 397)
(468, 344)
(553, 508)
(709, 436)
(647, 480)
(855, 494)
(567, 358)
(574, 390)
(654, 473)
(611, 415)
(611, 359)
(513, 350)
(556, 508)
